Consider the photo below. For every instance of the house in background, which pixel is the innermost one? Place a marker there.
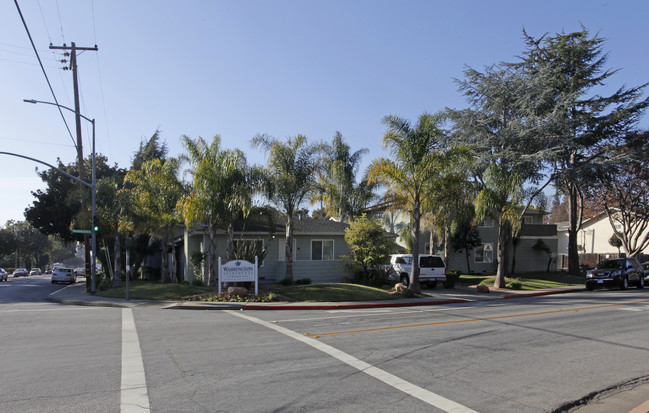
(482, 260)
(318, 247)
(592, 238)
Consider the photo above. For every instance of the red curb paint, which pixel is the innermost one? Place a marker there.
(574, 290)
(348, 306)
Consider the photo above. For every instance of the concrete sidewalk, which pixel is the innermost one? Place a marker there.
(75, 295)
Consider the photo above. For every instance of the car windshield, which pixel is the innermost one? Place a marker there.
(606, 265)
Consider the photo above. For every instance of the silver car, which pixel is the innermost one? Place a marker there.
(3, 275)
(63, 275)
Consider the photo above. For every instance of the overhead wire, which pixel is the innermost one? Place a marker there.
(49, 84)
(101, 84)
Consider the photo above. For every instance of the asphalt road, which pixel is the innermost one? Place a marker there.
(518, 355)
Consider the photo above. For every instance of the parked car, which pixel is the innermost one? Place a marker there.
(619, 272)
(645, 269)
(20, 272)
(63, 275)
(35, 271)
(80, 271)
(3, 275)
(431, 268)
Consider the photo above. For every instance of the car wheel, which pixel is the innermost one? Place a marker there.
(405, 280)
(641, 282)
(590, 287)
(624, 283)
(53, 282)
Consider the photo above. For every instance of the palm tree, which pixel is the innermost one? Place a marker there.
(155, 191)
(416, 161)
(288, 178)
(219, 191)
(338, 190)
(501, 199)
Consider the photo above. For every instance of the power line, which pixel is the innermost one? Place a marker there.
(43, 69)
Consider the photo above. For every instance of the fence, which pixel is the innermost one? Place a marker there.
(590, 260)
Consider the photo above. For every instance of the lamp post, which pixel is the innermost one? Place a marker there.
(93, 190)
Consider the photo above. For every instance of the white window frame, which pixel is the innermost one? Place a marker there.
(322, 249)
(486, 248)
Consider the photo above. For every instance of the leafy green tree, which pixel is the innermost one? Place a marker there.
(575, 121)
(220, 190)
(614, 241)
(415, 161)
(369, 246)
(289, 177)
(130, 224)
(27, 245)
(150, 150)
(506, 153)
(156, 190)
(466, 237)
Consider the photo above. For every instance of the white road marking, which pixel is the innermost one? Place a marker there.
(413, 390)
(57, 291)
(134, 396)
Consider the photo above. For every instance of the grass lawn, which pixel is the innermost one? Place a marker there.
(149, 290)
(532, 281)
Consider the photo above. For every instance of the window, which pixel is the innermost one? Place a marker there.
(527, 219)
(484, 253)
(322, 250)
(487, 222)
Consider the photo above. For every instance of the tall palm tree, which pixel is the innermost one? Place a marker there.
(219, 191)
(339, 191)
(501, 198)
(155, 190)
(416, 160)
(288, 178)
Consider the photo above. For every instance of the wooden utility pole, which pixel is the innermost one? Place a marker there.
(77, 116)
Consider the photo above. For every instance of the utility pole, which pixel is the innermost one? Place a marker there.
(77, 116)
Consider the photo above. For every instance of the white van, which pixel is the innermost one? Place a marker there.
(431, 268)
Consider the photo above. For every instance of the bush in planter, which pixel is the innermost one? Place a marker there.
(451, 278)
(303, 281)
(408, 293)
(514, 284)
(286, 281)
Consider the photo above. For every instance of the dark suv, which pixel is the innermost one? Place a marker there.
(620, 272)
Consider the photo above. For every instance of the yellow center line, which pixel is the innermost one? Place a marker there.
(472, 320)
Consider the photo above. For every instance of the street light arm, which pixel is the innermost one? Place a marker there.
(81, 181)
(34, 101)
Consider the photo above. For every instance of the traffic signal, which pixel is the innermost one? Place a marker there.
(95, 223)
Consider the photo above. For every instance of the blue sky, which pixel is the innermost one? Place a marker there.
(240, 68)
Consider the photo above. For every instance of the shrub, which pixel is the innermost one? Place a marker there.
(286, 281)
(514, 285)
(303, 281)
(451, 278)
(408, 293)
(184, 282)
(197, 282)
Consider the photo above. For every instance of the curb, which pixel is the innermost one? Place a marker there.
(348, 306)
(204, 305)
(540, 293)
